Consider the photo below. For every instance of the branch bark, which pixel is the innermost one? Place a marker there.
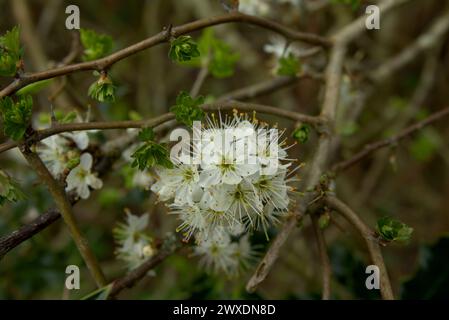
(223, 106)
(65, 208)
(372, 147)
(369, 238)
(326, 270)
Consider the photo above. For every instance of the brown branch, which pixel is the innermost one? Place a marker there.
(372, 147)
(272, 253)
(162, 37)
(424, 42)
(108, 125)
(65, 207)
(9, 242)
(129, 280)
(369, 238)
(324, 258)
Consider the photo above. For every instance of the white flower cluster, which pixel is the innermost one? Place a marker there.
(60, 152)
(225, 195)
(134, 246)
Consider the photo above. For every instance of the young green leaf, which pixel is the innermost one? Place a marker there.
(187, 108)
(95, 45)
(183, 49)
(301, 134)
(393, 230)
(16, 116)
(289, 66)
(146, 134)
(10, 52)
(102, 90)
(9, 189)
(151, 154)
(34, 87)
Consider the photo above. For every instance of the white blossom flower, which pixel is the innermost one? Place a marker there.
(254, 7)
(134, 246)
(179, 183)
(142, 179)
(221, 254)
(218, 254)
(81, 178)
(53, 151)
(279, 47)
(80, 138)
(239, 185)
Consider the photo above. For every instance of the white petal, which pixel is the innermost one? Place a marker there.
(86, 161)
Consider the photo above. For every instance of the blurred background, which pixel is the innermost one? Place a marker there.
(409, 181)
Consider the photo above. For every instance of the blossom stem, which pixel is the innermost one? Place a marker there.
(65, 208)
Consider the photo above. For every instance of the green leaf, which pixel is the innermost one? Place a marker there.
(95, 45)
(102, 90)
(183, 49)
(10, 52)
(151, 154)
(9, 189)
(289, 66)
(34, 87)
(99, 294)
(146, 134)
(393, 230)
(16, 116)
(301, 134)
(187, 108)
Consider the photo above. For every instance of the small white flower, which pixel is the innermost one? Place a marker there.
(134, 246)
(279, 47)
(81, 177)
(218, 255)
(179, 183)
(254, 7)
(80, 138)
(53, 151)
(142, 179)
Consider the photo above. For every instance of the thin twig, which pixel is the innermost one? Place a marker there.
(108, 125)
(372, 147)
(369, 238)
(199, 81)
(272, 254)
(130, 279)
(324, 258)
